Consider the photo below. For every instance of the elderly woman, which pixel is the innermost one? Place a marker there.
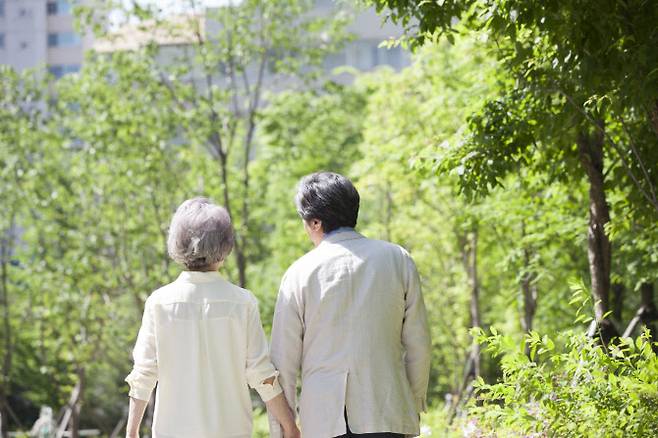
(202, 342)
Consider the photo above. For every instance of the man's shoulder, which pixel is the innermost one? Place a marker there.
(386, 249)
(385, 245)
(307, 263)
(315, 259)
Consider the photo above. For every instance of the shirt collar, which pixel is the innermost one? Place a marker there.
(341, 234)
(337, 230)
(199, 277)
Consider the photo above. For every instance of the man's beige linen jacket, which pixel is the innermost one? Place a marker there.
(350, 316)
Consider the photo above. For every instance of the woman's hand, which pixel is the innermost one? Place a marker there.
(135, 414)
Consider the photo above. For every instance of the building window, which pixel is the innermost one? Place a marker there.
(375, 54)
(360, 55)
(24, 13)
(63, 39)
(2, 40)
(2, 8)
(394, 57)
(60, 70)
(334, 60)
(59, 7)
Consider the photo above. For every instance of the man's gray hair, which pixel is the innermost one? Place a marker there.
(200, 234)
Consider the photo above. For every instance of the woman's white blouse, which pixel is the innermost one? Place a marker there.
(202, 342)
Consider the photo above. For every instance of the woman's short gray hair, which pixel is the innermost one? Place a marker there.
(200, 234)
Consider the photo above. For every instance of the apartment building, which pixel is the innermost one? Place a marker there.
(37, 33)
(364, 52)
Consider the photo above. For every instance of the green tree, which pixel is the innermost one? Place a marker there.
(301, 132)
(219, 80)
(95, 165)
(20, 118)
(578, 91)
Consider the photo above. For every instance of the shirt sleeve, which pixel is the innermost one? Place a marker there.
(416, 336)
(258, 366)
(286, 349)
(144, 374)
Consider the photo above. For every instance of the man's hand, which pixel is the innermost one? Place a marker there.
(279, 409)
(292, 432)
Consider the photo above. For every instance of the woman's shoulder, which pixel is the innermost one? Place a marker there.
(240, 294)
(215, 292)
(162, 292)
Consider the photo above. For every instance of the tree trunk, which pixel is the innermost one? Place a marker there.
(590, 147)
(242, 268)
(654, 117)
(67, 418)
(74, 424)
(238, 250)
(649, 312)
(4, 413)
(529, 302)
(468, 243)
(528, 288)
(469, 259)
(618, 301)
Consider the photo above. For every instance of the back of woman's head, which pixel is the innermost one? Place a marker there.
(200, 234)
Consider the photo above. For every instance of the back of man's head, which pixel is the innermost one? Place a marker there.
(330, 198)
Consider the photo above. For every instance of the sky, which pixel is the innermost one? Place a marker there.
(168, 7)
(180, 5)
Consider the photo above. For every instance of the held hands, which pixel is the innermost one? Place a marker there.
(291, 431)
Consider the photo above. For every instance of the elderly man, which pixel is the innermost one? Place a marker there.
(350, 316)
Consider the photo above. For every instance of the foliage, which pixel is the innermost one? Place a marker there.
(576, 101)
(565, 67)
(301, 132)
(95, 198)
(569, 387)
(94, 164)
(402, 201)
(405, 113)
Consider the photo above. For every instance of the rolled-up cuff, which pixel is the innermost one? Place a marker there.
(138, 390)
(268, 391)
(143, 394)
(421, 404)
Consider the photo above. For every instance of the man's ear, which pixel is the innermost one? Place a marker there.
(316, 224)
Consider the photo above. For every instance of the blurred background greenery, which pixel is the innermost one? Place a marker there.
(514, 156)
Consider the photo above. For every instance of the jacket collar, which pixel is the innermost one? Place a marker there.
(199, 277)
(341, 236)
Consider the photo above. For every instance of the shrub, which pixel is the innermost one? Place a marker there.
(581, 389)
